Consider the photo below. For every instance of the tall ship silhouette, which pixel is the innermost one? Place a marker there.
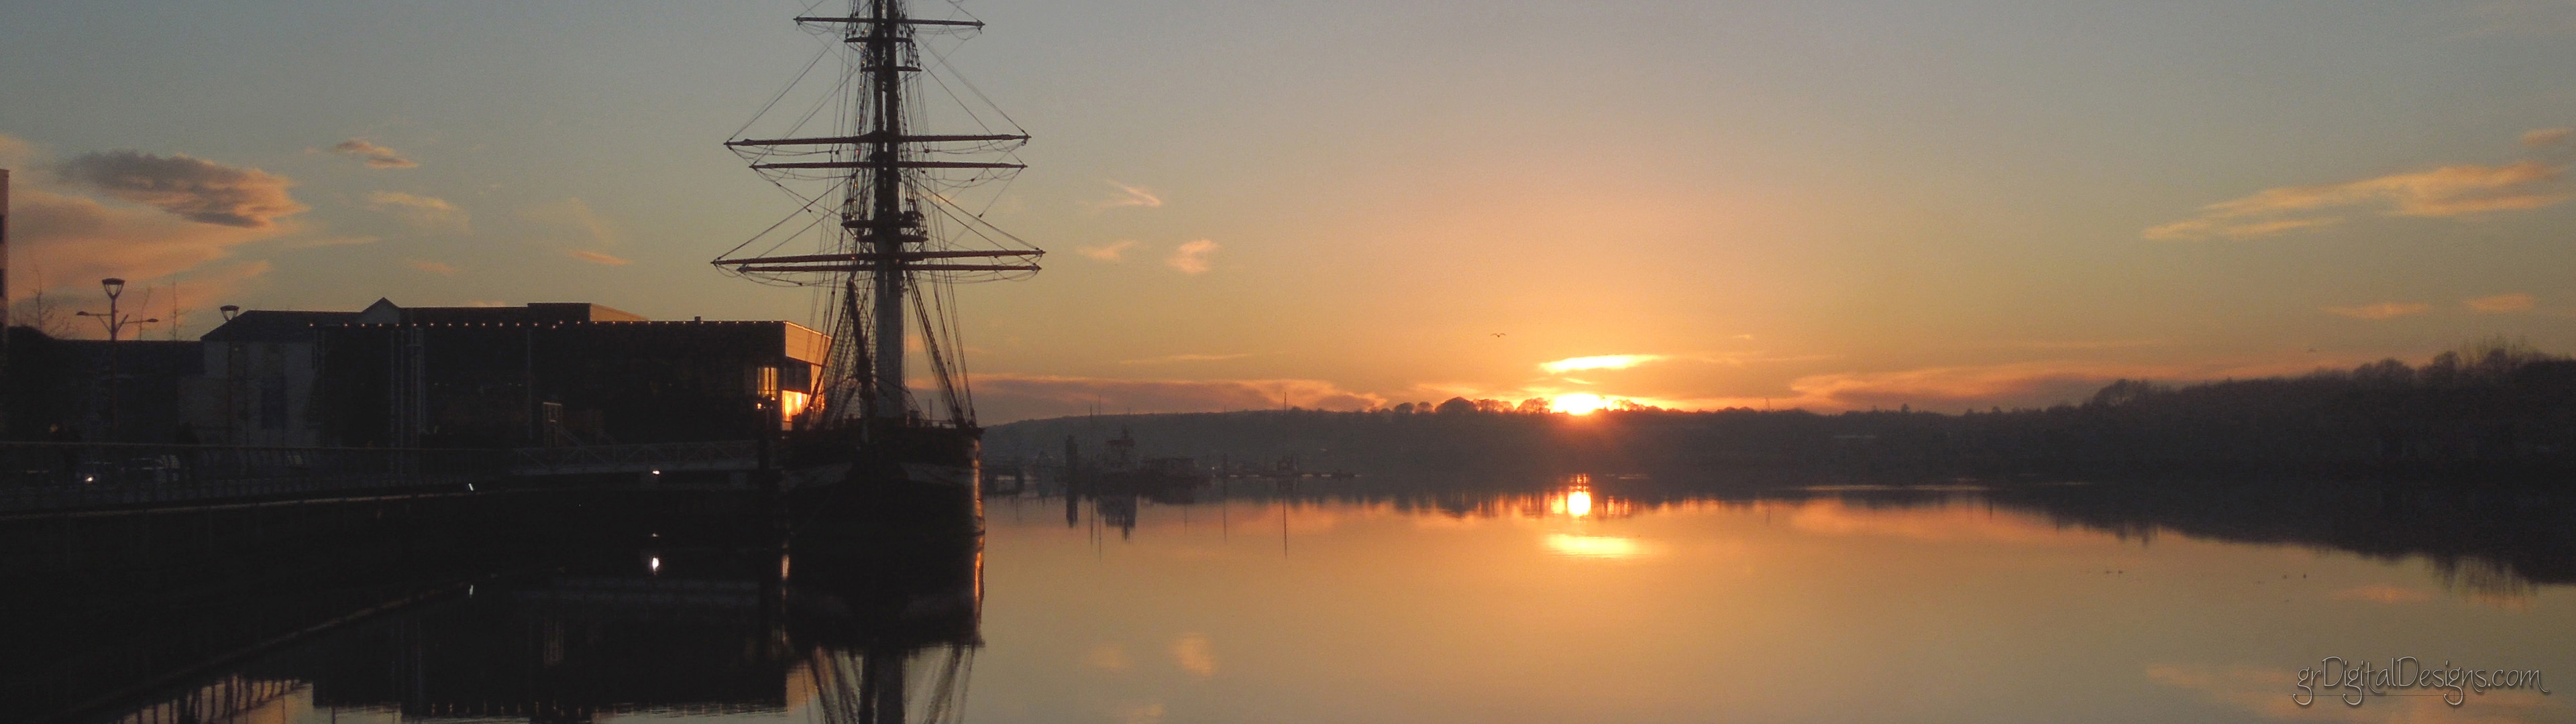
(891, 194)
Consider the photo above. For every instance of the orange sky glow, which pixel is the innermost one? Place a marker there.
(1842, 206)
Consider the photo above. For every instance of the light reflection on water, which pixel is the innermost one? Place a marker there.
(1574, 603)
(1577, 604)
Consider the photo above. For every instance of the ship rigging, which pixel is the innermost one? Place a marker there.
(890, 229)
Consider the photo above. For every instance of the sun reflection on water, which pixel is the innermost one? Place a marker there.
(1577, 500)
(1595, 546)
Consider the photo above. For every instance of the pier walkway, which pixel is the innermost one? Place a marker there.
(45, 478)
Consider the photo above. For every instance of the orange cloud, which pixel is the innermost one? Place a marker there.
(430, 266)
(1107, 252)
(1006, 397)
(1194, 653)
(601, 259)
(2382, 310)
(1192, 258)
(376, 156)
(2515, 302)
(2543, 137)
(198, 212)
(76, 238)
(428, 212)
(2449, 191)
(1599, 362)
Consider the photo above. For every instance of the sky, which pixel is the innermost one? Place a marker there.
(1834, 205)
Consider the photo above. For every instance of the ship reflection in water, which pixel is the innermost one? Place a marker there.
(1393, 600)
(857, 629)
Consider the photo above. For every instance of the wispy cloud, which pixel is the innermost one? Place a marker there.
(1184, 358)
(432, 267)
(2449, 191)
(2546, 137)
(1107, 252)
(599, 258)
(375, 156)
(1194, 653)
(2382, 310)
(428, 212)
(572, 214)
(1130, 196)
(1006, 397)
(2515, 302)
(1193, 257)
(1599, 362)
(194, 189)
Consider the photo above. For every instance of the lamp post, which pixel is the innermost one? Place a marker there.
(115, 323)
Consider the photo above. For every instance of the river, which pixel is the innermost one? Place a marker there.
(1576, 600)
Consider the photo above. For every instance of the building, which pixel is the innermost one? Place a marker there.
(99, 391)
(542, 374)
(259, 375)
(555, 374)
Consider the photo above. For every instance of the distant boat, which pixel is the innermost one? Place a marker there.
(1121, 471)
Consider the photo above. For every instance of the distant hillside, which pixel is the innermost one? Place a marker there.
(2492, 409)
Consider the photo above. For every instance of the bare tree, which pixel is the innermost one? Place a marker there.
(40, 313)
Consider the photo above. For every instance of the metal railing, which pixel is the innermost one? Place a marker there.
(719, 455)
(38, 476)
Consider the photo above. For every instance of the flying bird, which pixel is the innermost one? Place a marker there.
(1498, 334)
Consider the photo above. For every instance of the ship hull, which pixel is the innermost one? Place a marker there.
(905, 481)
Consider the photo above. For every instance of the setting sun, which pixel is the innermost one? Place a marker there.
(1580, 403)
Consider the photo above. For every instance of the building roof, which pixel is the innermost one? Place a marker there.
(386, 312)
(274, 325)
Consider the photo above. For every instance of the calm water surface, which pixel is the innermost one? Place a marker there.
(1569, 604)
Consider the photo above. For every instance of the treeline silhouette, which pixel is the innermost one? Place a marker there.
(2494, 410)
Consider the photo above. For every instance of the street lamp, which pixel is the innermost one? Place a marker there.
(115, 322)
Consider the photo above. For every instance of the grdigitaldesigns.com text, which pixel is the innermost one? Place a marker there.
(2354, 681)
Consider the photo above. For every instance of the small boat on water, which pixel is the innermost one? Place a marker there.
(1120, 470)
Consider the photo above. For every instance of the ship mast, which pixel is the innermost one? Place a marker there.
(882, 223)
(889, 225)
